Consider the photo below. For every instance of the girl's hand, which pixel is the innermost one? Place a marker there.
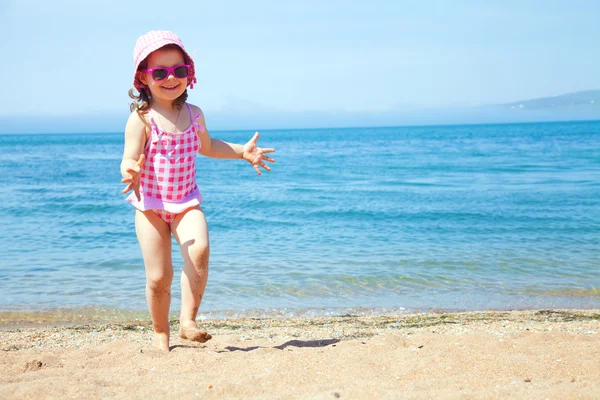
(133, 181)
(255, 155)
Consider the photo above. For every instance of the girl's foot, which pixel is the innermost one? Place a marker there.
(161, 341)
(190, 331)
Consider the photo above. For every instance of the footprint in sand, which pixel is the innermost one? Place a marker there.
(34, 365)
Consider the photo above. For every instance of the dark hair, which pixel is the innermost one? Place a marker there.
(141, 101)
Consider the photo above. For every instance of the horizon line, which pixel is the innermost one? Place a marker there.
(333, 128)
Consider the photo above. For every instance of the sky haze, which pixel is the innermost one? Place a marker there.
(67, 58)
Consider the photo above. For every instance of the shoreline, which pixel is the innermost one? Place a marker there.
(65, 317)
(479, 354)
(345, 326)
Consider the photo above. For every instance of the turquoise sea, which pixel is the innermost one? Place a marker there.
(363, 219)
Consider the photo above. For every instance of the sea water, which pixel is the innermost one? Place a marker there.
(405, 218)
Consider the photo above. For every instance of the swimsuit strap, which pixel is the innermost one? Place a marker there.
(152, 119)
(154, 132)
(195, 119)
(190, 112)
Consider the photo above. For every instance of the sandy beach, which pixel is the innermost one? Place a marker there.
(517, 354)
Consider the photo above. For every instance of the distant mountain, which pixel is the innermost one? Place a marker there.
(583, 105)
(576, 106)
(589, 99)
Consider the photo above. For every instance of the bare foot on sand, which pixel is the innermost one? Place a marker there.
(161, 341)
(190, 331)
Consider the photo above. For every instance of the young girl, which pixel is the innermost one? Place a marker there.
(162, 136)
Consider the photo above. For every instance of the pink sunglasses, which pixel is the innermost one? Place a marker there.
(160, 74)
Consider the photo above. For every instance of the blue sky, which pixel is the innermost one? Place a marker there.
(66, 58)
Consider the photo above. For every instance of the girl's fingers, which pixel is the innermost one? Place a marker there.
(127, 188)
(132, 172)
(269, 150)
(262, 164)
(260, 156)
(256, 169)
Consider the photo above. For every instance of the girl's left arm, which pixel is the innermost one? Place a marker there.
(216, 148)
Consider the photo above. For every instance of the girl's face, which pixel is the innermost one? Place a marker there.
(171, 87)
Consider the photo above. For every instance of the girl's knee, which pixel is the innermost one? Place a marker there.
(159, 281)
(199, 256)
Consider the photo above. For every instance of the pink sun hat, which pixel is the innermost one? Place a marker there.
(152, 41)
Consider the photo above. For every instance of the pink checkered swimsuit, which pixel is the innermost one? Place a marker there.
(168, 177)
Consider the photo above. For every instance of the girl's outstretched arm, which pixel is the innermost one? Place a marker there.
(133, 153)
(216, 148)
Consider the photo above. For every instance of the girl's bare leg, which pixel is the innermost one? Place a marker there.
(191, 232)
(154, 236)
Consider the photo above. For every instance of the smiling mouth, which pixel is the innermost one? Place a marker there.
(171, 87)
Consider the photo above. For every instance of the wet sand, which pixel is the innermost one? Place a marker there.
(517, 354)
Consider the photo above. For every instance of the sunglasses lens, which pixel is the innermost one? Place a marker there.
(181, 72)
(159, 74)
